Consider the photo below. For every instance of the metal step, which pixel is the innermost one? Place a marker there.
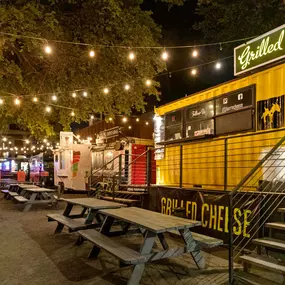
(268, 263)
(270, 243)
(251, 279)
(278, 226)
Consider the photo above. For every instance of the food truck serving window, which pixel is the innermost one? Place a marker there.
(235, 111)
(199, 119)
(173, 125)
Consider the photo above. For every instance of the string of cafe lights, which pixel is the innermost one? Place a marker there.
(85, 92)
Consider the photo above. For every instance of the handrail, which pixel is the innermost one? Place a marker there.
(103, 167)
(259, 164)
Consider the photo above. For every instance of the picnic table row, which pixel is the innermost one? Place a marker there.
(29, 195)
(104, 220)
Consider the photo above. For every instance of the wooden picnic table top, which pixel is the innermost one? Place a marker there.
(93, 203)
(153, 221)
(24, 186)
(39, 190)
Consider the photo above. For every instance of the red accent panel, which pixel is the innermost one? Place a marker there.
(139, 166)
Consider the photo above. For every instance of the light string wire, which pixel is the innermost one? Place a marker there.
(129, 47)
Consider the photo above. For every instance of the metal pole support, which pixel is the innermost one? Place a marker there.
(181, 167)
(148, 167)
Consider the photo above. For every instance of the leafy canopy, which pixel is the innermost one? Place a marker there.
(26, 70)
(231, 19)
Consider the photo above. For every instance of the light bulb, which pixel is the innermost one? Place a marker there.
(137, 119)
(218, 65)
(92, 53)
(45, 140)
(106, 90)
(17, 101)
(48, 49)
(92, 117)
(72, 114)
(10, 142)
(48, 109)
(110, 119)
(164, 55)
(1, 101)
(194, 71)
(131, 56)
(74, 95)
(148, 82)
(195, 53)
(130, 127)
(125, 119)
(4, 139)
(146, 123)
(85, 94)
(127, 87)
(54, 98)
(27, 141)
(35, 99)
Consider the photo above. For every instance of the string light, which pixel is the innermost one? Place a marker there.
(195, 53)
(137, 119)
(106, 90)
(72, 114)
(146, 123)
(1, 101)
(125, 119)
(92, 117)
(218, 65)
(194, 71)
(127, 87)
(48, 109)
(45, 140)
(110, 119)
(130, 127)
(92, 53)
(10, 142)
(131, 56)
(27, 141)
(148, 82)
(85, 94)
(35, 99)
(164, 55)
(48, 49)
(54, 97)
(73, 95)
(17, 102)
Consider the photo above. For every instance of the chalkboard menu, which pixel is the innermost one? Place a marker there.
(235, 101)
(200, 112)
(159, 136)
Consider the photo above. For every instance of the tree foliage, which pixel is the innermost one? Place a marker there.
(224, 20)
(26, 70)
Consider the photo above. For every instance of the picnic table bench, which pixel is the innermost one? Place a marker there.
(91, 205)
(154, 225)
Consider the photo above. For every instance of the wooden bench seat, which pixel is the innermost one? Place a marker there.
(20, 199)
(123, 253)
(5, 191)
(203, 240)
(72, 224)
(120, 200)
(13, 194)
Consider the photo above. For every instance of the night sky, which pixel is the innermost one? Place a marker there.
(177, 24)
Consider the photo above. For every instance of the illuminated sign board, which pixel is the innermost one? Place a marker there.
(260, 51)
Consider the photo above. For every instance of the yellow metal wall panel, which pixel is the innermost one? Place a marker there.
(243, 152)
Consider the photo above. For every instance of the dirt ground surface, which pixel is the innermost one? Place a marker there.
(31, 254)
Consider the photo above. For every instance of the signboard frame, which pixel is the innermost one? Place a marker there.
(255, 40)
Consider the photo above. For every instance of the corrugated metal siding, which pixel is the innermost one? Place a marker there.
(203, 163)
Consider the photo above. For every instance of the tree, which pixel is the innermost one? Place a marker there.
(224, 20)
(26, 71)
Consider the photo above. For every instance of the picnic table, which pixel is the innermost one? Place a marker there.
(152, 225)
(90, 205)
(33, 195)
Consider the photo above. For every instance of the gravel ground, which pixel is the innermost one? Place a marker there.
(31, 254)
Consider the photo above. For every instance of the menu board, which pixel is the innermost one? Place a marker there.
(159, 136)
(235, 101)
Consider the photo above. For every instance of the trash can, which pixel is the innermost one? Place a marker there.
(60, 189)
(273, 170)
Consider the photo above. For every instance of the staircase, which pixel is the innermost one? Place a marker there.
(117, 185)
(259, 252)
